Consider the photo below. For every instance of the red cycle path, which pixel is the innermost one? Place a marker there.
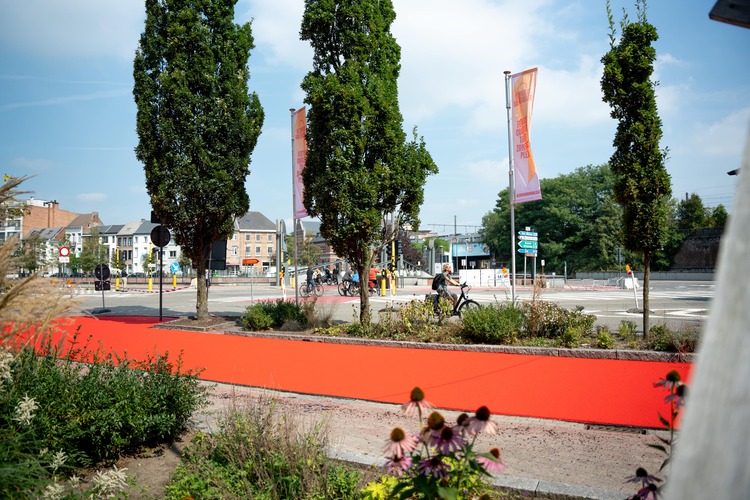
(598, 391)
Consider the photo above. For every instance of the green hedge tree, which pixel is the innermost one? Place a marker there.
(197, 123)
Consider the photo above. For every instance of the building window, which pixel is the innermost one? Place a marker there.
(247, 236)
(270, 238)
(257, 250)
(235, 250)
(248, 250)
(257, 237)
(173, 254)
(270, 250)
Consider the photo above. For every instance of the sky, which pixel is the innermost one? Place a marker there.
(67, 114)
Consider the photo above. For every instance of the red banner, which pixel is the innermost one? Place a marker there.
(299, 152)
(523, 87)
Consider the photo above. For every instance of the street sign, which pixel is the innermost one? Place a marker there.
(528, 244)
(102, 272)
(528, 251)
(174, 267)
(528, 233)
(64, 252)
(160, 236)
(528, 238)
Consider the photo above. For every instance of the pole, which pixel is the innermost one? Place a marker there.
(161, 269)
(512, 190)
(294, 215)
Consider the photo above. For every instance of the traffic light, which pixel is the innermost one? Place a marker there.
(398, 248)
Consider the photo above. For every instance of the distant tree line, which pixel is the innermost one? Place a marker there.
(580, 224)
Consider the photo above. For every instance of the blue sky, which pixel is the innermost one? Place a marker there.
(67, 114)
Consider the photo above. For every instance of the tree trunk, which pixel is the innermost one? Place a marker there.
(201, 301)
(646, 280)
(365, 315)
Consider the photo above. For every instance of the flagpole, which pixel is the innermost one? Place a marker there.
(294, 212)
(512, 191)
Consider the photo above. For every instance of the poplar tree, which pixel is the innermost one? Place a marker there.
(642, 184)
(197, 123)
(362, 178)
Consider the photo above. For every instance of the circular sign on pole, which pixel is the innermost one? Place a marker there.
(64, 252)
(174, 267)
(102, 272)
(160, 236)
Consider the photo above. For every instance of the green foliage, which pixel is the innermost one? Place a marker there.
(549, 320)
(642, 184)
(578, 221)
(262, 451)
(499, 324)
(197, 124)
(267, 314)
(604, 339)
(83, 414)
(663, 338)
(359, 166)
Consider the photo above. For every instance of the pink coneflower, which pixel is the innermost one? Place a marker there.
(481, 422)
(462, 424)
(492, 461)
(678, 396)
(416, 403)
(446, 440)
(650, 491)
(669, 383)
(396, 466)
(643, 477)
(400, 444)
(434, 467)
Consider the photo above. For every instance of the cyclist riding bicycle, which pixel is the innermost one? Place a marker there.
(440, 284)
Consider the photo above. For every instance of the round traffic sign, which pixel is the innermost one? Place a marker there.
(160, 236)
(64, 251)
(102, 272)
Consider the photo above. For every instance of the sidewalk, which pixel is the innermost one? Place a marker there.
(546, 459)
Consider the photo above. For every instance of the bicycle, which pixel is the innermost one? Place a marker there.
(305, 289)
(464, 303)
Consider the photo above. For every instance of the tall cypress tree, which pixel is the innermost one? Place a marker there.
(360, 171)
(642, 184)
(197, 124)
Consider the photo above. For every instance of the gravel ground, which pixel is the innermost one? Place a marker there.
(544, 458)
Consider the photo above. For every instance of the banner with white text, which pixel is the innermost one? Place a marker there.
(299, 151)
(523, 87)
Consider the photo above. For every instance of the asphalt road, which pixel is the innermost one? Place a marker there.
(674, 303)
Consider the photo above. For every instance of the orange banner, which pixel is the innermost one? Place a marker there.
(526, 179)
(299, 152)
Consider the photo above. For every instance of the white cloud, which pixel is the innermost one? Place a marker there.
(91, 197)
(72, 29)
(276, 25)
(726, 137)
(31, 165)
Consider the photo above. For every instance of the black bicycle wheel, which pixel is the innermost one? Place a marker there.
(318, 289)
(304, 290)
(343, 288)
(467, 305)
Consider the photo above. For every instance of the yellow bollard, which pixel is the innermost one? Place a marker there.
(174, 281)
(150, 284)
(382, 284)
(117, 284)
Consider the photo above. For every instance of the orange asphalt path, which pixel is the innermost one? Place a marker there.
(575, 389)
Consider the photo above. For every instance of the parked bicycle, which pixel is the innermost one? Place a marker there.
(464, 303)
(306, 289)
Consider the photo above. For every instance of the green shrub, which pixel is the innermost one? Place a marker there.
(86, 413)
(551, 321)
(626, 330)
(662, 338)
(265, 315)
(604, 339)
(492, 324)
(257, 318)
(262, 451)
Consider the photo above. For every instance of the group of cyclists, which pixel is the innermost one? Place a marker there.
(317, 276)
